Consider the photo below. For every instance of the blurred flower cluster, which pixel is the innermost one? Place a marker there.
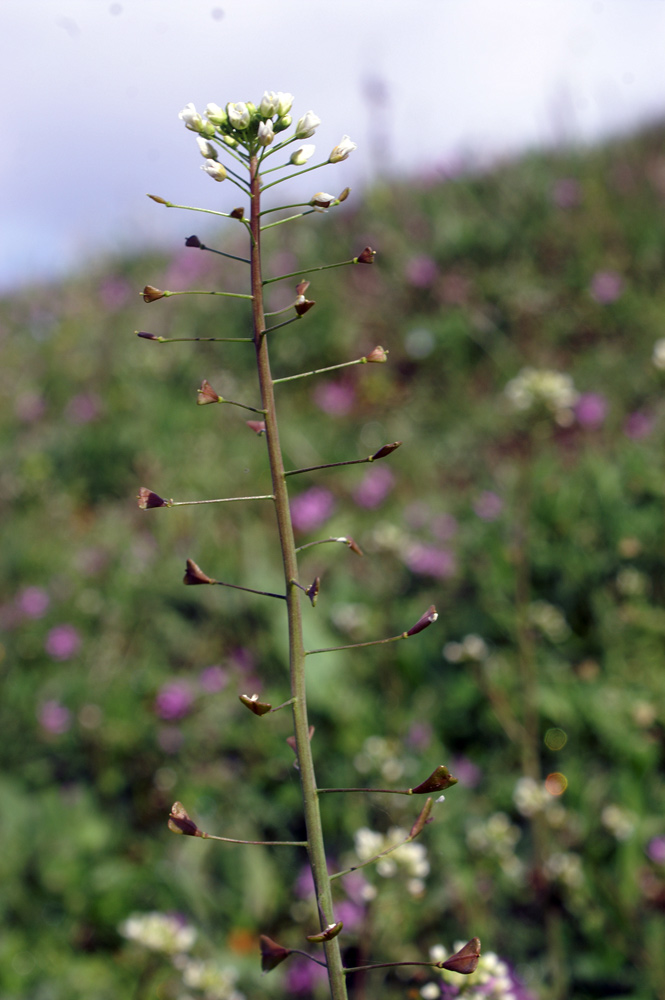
(542, 389)
(410, 859)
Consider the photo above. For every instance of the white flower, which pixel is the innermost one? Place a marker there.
(322, 201)
(620, 822)
(307, 125)
(342, 150)
(658, 356)
(530, 796)
(207, 150)
(239, 115)
(302, 155)
(553, 390)
(269, 102)
(284, 102)
(266, 133)
(159, 932)
(215, 114)
(215, 169)
(192, 119)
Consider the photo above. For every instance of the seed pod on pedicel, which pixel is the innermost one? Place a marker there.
(438, 781)
(464, 961)
(194, 575)
(206, 394)
(331, 931)
(146, 499)
(424, 621)
(254, 705)
(181, 822)
(387, 449)
(272, 954)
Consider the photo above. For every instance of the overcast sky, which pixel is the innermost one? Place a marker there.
(92, 89)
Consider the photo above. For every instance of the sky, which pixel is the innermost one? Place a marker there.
(92, 91)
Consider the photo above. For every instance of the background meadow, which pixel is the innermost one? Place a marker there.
(533, 516)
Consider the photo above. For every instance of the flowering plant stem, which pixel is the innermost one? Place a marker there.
(315, 842)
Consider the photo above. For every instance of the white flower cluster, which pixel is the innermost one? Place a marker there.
(472, 647)
(621, 823)
(551, 390)
(411, 858)
(531, 797)
(215, 981)
(496, 838)
(658, 356)
(380, 754)
(161, 932)
(550, 620)
(566, 868)
(255, 127)
(491, 980)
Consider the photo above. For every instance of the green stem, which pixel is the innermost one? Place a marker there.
(193, 503)
(290, 218)
(308, 270)
(196, 291)
(318, 371)
(265, 843)
(357, 645)
(316, 847)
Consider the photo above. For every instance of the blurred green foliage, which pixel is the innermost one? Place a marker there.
(545, 541)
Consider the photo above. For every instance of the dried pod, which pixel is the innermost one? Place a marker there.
(181, 822)
(424, 621)
(438, 781)
(422, 821)
(366, 256)
(254, 705)
(331, 931)
(464, 961)
(258, 426)
(206, 394)
(151, 294)
(194, 575)
(146, 499)
(193, 241)
(386, 450)
(272, 954)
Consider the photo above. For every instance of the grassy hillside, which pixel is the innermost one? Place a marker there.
(533, 516)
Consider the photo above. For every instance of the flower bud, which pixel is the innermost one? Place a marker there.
(272, 954)
(181, 822)
(307, 125)
(366, 257)
(284, 102)
(147, 499)
(464, 961)
(424, 621)
(342, 150)
(269, 102)
(322, 200)
(206, 394)
(207, 150)
(160, 201)
(266, 133)
(194, 575)
(344, 195)
(230, 141)
(151, 294)
(438, 781)
(239, 115)
(302, 155)
(386, 450)
(254, 705)
(192, 119)
(216, 170)
(216, 115)
(283, 123)
(377, 356)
